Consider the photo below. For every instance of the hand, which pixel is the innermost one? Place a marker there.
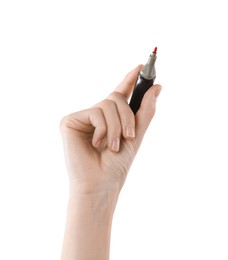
(101, 142)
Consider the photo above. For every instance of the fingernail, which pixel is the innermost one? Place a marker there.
(116, 145)
(157, 92)
(130, 131)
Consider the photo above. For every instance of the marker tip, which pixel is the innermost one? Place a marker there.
(155, 50)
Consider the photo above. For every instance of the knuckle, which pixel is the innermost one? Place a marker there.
(96, 111)
(108, 103)
(68, 122)
(64, 122)
(115, 95)
(105, 105)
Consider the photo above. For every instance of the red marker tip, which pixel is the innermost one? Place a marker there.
(155, 50)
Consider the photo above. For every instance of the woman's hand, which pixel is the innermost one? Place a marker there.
(101, 142)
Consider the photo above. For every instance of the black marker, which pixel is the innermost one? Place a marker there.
(144, 81)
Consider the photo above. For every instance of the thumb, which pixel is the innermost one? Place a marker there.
(146, 112)
(128, 83)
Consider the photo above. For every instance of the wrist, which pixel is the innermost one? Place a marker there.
(88, 227)
(97, 200)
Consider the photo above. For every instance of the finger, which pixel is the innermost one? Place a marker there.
(98, 121)
(113, 123)
(127, 118)
(89, 121)
(146, 112)
(128, 83)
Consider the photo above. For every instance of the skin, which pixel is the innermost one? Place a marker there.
(100, 144)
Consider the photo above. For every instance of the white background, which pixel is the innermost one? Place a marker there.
(57, 57)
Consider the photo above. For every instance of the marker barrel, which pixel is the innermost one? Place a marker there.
(141, 87)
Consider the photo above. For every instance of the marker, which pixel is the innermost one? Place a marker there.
(144, 81)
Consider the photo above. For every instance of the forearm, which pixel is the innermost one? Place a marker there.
(88, 226)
